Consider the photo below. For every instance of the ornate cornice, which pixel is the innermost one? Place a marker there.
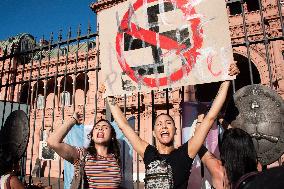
(104, 4)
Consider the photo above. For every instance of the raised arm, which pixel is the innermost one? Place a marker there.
(55, 140)
(137, 143)
(200, 134)
(214, 167)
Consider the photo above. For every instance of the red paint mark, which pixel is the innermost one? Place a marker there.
(165, 43)
(209, 65)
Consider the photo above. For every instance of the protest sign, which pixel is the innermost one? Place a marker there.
(154, 44)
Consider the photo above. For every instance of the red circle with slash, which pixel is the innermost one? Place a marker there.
(165, 43)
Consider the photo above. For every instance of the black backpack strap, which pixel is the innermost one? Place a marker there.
(244, 180)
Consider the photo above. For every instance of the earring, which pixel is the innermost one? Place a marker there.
(89, 136)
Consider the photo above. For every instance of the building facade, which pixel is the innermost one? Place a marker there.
(56, 78)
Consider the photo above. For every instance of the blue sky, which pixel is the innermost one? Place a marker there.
(41, 17)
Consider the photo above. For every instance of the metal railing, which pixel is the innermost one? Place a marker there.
(48, 77)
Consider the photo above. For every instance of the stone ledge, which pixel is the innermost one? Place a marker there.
(104, 4)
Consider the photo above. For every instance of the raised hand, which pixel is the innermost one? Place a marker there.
(233, 69)
(55, 140)
(78, 118)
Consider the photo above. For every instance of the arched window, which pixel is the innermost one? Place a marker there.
(92, 45)
(37, 95)
(206, 92)
(236, 7)
(64, 51)
(65, 98)
(40, 102)
(252, 5)
(66, 91)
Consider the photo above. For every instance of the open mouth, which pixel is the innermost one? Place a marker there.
(100, 135)
(165, 134)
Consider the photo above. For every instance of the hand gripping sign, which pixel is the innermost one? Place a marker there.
(155, 44)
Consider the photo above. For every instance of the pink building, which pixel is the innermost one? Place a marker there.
(60, 78)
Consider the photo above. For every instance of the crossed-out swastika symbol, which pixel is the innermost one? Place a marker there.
(131, 37)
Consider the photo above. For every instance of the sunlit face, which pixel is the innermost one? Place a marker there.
(164, 129)
(102, 133)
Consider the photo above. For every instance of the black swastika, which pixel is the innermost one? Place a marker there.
(131, 43)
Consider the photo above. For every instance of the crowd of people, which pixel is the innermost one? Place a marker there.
(166, 167)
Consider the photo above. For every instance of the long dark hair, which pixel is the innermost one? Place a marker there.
(113, 147)
(238, 154)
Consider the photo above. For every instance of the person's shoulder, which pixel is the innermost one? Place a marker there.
(180, 155)
(81, 149)
(183, 149)
(150, 153)
(184, 146)
(82, 152)
(15, 182)
(151, 148)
